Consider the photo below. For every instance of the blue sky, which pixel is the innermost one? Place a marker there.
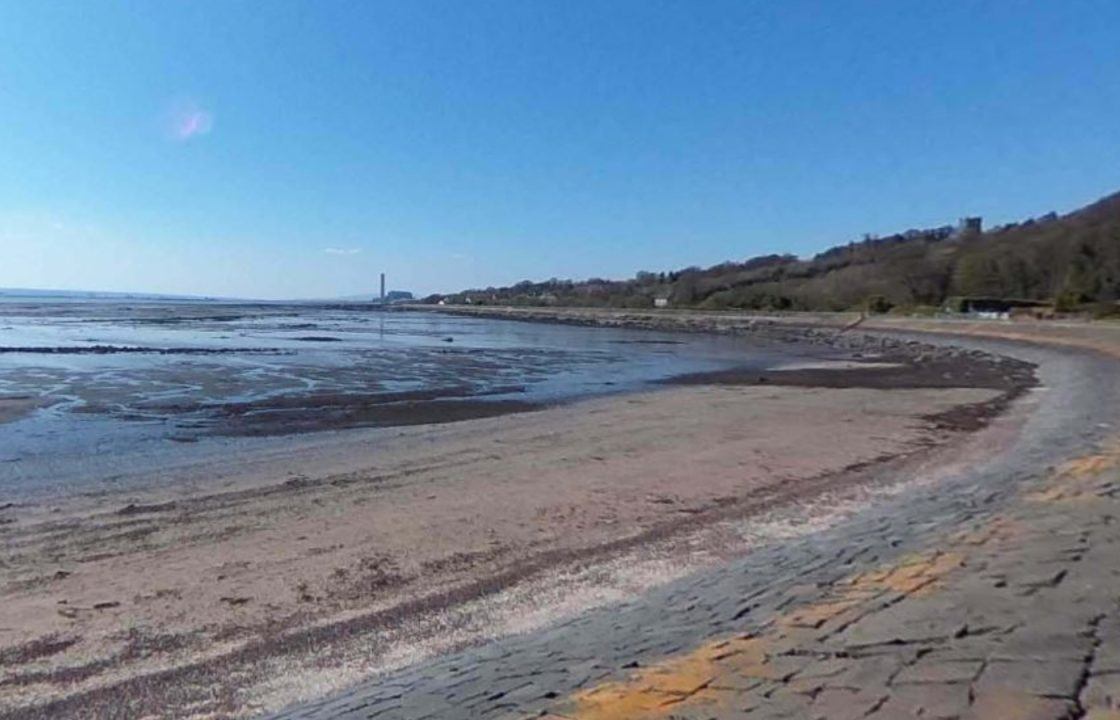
(283, 149)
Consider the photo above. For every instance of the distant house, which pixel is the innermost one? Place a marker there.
(969, 226)
(998, 308)
(661, 302)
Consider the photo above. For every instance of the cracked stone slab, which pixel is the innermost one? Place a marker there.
(928, 701)
(939, 671)
(1049, 678)
(1006, 704)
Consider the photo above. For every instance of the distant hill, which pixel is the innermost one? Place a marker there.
(1071, 260)
(39, 294)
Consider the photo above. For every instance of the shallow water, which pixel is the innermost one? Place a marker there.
(123, 380)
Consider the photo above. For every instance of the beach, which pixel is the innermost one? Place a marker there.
(353, 553)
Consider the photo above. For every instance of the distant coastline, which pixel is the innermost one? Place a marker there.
(46, 294)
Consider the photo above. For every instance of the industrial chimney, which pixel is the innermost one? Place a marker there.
(382, 288)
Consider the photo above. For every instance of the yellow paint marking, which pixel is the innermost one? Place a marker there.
(702, 677)
(999, 529)
(655, 691)
(1075, 481)
(914, 574)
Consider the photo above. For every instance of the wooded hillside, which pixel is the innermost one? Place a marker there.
(1072, 260)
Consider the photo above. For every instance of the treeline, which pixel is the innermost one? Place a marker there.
(1072, 261)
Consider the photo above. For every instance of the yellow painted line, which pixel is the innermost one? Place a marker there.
(1076, 479)
(656, 691)
(702, 676)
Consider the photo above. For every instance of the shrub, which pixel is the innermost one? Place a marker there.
(1105, 310)
(878, 304)
(1068, 302)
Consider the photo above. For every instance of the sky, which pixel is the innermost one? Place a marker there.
(297, 149)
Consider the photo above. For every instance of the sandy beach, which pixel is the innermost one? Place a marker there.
(442, 535)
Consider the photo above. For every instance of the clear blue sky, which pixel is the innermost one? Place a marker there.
(282, 149)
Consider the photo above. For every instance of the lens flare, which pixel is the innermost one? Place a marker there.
(186, 120)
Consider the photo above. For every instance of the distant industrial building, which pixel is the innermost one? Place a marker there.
(391, 296)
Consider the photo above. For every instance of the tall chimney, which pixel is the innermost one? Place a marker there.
(383, 288)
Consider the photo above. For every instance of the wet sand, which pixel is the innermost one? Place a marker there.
(125, 378)
(16, 407)
(293, 415)
(445, 535)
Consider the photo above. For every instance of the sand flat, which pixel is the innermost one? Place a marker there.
(440, 512)
(14, 408)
